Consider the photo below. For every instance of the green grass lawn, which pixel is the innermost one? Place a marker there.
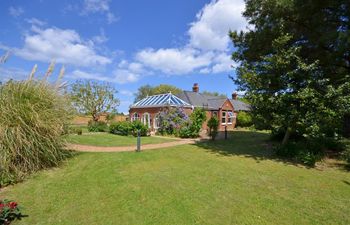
(110, 140)
(227, 182)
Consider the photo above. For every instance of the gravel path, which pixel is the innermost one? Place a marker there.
(89, 148)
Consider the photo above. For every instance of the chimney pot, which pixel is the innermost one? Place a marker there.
(234, 95)
(195, 87)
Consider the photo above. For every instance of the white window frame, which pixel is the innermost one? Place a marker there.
(146, 121)
(230, 117)
(156, 121)
(135, 116)
(223, 116)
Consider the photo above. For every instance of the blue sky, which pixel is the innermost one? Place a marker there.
(128, 43)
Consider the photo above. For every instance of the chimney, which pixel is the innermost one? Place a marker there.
(234, 95)
(195, 87)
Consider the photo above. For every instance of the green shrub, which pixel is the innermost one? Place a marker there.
(121, 128)
(138, 126)
(79, 131)
(244, 119)
(306, 151)
(213, 124)
(32, 120)
(97, 126)
(191, 128)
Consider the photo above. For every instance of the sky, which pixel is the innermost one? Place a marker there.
(127, 43)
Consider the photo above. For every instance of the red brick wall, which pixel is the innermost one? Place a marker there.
(154, 111)
(227, 106)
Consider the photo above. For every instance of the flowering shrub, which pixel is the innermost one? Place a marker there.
(9, 211)
(192, 128)
(171, 120)
(174, 121)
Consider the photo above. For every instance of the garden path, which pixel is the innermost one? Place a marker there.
(90, 148)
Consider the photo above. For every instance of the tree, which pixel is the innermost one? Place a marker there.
(216, 94)
(148, 90)
(93, 98)
(295, 65)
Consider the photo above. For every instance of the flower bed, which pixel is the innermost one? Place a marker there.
(9, 211)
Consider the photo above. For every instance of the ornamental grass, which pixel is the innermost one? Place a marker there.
(32, 120)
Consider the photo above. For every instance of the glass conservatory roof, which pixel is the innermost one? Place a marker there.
(160, 100)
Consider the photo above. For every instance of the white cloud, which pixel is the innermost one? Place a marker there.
(35, 22)
(127, 93)
(7, 73)
(123, 76)
(207, 50)
(99, 6)
(64, 46)
(16, 11)
(120, 76)
(222, 63)
(210, 30)
(101, 38)
(174, 61)
(78, 74)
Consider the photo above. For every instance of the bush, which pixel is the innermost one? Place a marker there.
(121, 128)
(213, 124)
(79, 131)
(171, 120)
(138, 126)
(307, 152)
(9, 211)
(97, 126)
(244, 119)
(32, 120)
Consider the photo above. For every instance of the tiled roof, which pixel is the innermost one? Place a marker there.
(240, 106)
(161, 100)
(211, 102)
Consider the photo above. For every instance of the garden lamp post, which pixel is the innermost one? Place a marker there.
(138, 147)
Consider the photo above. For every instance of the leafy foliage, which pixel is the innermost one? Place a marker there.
(294, 66)
(148, 90)
(137, 126)
(128, 128)
(97, 126)
(93, 98)
(171, 120)
(213, 124)
(32, 119)
(121, 128)
(244, 119)
(216, 94)
(194, 125)
(9, 211)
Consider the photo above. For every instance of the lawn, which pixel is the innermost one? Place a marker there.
(227, 182)
(110, 140)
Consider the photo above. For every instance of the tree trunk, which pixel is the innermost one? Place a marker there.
(286, 136)
(95, 117)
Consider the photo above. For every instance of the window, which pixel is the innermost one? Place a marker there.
(229, 117)
(223, 117)
(156, 123)
(135, 117)
(146, 119)
(215, 113)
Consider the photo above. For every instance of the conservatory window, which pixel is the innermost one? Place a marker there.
(146, 119)
(135, 117)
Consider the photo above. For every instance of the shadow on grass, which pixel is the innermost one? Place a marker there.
(250, 144)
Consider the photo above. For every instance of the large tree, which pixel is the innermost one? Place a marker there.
(147, 90)
(93, 98)
(294, 63)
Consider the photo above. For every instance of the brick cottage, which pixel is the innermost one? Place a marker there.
(225, 109)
